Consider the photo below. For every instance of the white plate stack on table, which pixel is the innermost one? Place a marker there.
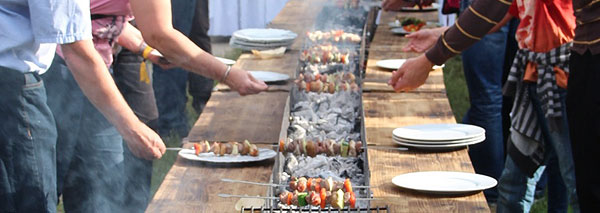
(262, 39)
(438, 136)
(444, 182)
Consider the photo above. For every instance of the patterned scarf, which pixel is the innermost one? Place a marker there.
(523, 116)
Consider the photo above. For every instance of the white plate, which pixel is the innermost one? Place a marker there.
(256, 34)
(394, 64)
(269, 76)
(399, 31)
(261, 44)
(190, 154)
(248, 47)
(439, 147)
(468, 140)
(440, 182)
(434, 6)
(438, 132)
(226, 61)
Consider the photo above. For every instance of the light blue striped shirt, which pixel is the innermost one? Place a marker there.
(30, 30)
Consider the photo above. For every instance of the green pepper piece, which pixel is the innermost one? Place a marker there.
(302, 199)
(344, 149)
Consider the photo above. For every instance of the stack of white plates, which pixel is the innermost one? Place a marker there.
(438, 136)
(262, 39)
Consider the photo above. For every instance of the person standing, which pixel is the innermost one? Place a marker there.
(583, 103)
(28, 134)
(483, 68)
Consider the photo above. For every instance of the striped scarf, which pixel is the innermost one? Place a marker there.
(523, 116)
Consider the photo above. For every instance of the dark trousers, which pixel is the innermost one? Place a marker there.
(583, 108)
(89, 149)
(482, 64)
(140, 97)
(200, 87)
(27, 145)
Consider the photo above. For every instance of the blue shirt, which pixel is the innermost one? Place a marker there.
(30, 30)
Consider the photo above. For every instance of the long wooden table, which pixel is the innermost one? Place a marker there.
(193, 187)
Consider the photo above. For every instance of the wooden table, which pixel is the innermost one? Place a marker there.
(385, 111)
(193, 186)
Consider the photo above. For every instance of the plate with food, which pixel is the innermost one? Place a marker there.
(230, 152)
(407, 24)
(431, 7)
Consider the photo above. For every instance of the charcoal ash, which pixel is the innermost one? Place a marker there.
(321, 116)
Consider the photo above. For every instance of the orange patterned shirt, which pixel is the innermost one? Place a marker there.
(545, 25)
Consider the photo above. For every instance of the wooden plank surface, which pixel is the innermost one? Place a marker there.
(389, 164)
(192, 186)
(231, 117)
(386, 111)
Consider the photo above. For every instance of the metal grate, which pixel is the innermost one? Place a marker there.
(298, 209)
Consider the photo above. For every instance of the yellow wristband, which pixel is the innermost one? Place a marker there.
(146, 52)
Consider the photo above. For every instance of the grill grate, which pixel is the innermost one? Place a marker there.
(298, 209)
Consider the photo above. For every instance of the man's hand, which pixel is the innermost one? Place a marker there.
(411, 75)
(422, 40)
(144, 142)
(95, 81)
(243, 82)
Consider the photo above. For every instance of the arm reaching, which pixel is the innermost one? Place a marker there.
(422, 40)
(473, 24)
(91, 74)
(153, 18)
(131, 39)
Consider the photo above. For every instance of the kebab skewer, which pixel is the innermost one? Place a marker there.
(327, 83)
(302, 184)
(337, 199)
(328, 198)
(230, 148)
(328, 147)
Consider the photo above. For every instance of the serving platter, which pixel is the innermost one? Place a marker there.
(263, 154)
(443, 182)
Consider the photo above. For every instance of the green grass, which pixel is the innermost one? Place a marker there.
(456, 87)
